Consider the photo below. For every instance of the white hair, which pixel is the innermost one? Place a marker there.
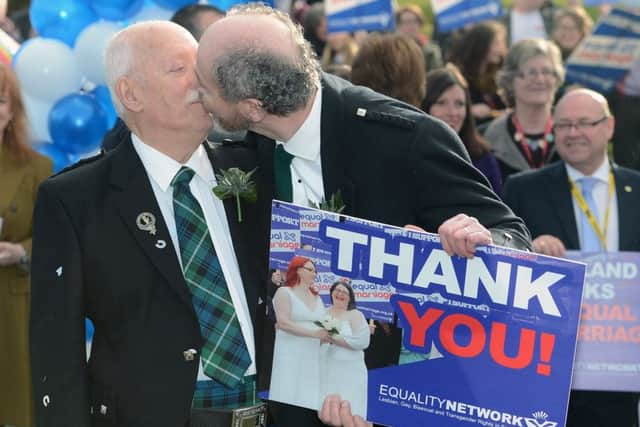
(122, 54)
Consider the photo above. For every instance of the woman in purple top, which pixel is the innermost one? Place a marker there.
(448, 99)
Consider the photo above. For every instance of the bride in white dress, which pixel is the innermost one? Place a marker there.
(295, 375)
(342, 368)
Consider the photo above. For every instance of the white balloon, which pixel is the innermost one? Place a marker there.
(151, 13)
(47, 69)
(38, 118)
(90, 46)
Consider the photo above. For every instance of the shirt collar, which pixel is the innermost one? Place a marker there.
(162, 168)
(601, 174)
(305, 143)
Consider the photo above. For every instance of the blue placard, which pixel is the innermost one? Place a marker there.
(608, 353)
(606, 55)
(478, 334)
(454, 14)
(354, 15)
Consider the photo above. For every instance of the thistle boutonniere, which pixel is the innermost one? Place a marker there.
(334, 204)
(234, 182)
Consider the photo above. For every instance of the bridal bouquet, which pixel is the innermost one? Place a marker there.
(330, 324)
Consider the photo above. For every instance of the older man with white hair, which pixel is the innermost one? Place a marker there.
(136, 241)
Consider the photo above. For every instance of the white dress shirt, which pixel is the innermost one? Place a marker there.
(306, 166)
(161, 169)
(600, 196)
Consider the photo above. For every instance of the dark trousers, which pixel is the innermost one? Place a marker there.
(293, 416)
(602, 409)
(203, 418)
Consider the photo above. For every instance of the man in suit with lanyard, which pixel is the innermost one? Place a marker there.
(584, 203)
(316, 135)
(136, 241)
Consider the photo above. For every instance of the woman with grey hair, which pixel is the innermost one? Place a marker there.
(528, 81)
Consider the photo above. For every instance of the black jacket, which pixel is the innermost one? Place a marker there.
(90, 259)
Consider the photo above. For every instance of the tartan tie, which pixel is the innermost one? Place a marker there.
(282, 173)
(224, 355)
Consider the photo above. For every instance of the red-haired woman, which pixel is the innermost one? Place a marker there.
(21, 171)
(295, 375)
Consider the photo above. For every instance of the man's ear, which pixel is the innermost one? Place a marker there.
(611, 125)
(129, 93)
(252, 109)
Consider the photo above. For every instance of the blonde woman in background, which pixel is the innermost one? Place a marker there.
(570, 26)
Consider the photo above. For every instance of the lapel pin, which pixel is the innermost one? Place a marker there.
(146, 221)
(59, 271)
(361, 112)
(627, 188)
(161, 244)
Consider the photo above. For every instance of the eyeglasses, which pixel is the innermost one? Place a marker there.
(532, 74)
(309, 269)
(581, 125)
(340, 291)
(567, 28)
(409, 21)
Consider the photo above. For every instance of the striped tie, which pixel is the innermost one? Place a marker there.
(224, 355)
(590, 240)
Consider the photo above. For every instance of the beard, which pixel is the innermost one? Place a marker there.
(236, 123)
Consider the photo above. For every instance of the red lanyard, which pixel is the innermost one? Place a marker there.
(521, 139)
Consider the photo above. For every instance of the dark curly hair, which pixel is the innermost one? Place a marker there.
(281, 83)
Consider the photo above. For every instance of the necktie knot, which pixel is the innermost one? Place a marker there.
(183, 177)
(284, 157)
(587, 183)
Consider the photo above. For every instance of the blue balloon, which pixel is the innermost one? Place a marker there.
(173, 4)
(77, 123)
(60, 158)
(61, 19)
(116, 10)
(103, 96)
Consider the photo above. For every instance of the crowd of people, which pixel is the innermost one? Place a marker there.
(507, 153)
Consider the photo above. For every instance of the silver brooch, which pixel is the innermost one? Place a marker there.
(146, 221)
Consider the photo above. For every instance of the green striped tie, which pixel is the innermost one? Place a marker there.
(224, 355)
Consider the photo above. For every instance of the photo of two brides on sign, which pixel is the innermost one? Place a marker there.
(318, 350)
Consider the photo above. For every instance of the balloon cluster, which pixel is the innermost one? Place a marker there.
(61, 72)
